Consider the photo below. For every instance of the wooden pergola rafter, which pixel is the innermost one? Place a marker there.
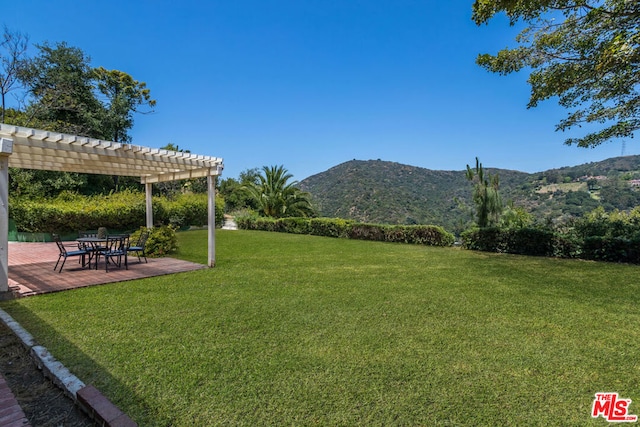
(39, 149)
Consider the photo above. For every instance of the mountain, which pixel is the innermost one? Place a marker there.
(377, 191)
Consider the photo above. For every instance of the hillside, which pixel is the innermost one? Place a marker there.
(386, 192)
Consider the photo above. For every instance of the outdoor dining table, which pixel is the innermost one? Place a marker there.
(94, 245)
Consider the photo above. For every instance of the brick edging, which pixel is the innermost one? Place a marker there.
(88, 398)
(11, 414)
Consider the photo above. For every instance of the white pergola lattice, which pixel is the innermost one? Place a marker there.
(38, 149)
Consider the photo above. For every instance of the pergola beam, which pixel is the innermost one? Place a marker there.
(48, 146)
(175, 176)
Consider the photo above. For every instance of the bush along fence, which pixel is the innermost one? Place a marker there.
(563, 244)
(417, 234)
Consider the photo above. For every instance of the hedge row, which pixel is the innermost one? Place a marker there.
(118, 211)
(328, 227)
(541, 242)
(524, 241)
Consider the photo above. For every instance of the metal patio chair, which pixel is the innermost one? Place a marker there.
(64, 254)
(114, 252)
(139, 246)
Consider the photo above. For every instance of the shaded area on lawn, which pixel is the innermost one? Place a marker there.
(44, 404)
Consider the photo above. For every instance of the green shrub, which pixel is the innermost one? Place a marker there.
(567, 245)
(523, 241)
(609, 224)
(330, 227)
(162, 240)
(612, 249)
(427, 235)
(293, 225)
(361, 231)
(246, 222)
(327, 227)
(487, 239)
(121, 211)
(124, 210)
(599, 236)
(188, 209)
(528, 241)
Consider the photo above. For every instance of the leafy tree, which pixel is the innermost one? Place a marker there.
(15, 117)
(59, 82)
(13, 48)
(277, 197)
(63, 94)
(248, 176)
(235, 196)
(37, 184)
(485, 195)
(124, 96)
(553, 176)
(515, 217)
(585, 52)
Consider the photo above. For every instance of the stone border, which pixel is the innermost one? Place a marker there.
(87, 397)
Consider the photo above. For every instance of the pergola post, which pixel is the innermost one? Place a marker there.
(6, 148)
(148, 187)
(211, 211)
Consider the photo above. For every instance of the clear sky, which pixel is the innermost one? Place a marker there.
(310, 84)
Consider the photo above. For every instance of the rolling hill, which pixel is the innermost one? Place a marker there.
(377, 191)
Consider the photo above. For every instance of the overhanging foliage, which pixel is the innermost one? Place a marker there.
(585, 52)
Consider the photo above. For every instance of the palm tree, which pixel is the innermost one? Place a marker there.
(276, 197)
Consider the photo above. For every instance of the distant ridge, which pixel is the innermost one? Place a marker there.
(379, 191)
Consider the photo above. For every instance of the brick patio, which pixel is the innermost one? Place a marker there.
(31, 270)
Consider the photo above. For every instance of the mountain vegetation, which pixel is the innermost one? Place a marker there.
(377, 191)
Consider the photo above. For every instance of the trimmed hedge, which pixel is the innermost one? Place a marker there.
(416, 234)
(613, 249)
(523, 241)
(119, 211)
(541, 242)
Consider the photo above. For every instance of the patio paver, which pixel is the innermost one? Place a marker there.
(31, 270)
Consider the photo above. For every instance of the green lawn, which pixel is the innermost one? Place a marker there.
(302, 330)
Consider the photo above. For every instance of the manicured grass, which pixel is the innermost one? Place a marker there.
(301, 330)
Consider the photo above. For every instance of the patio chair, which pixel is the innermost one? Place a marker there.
(88, 233)
(114, 251)
(92, 247)
(138, 248)
(64, 254)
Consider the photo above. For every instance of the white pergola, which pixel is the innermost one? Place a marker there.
(38, 149)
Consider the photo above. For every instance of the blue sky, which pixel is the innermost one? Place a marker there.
(310, 84)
